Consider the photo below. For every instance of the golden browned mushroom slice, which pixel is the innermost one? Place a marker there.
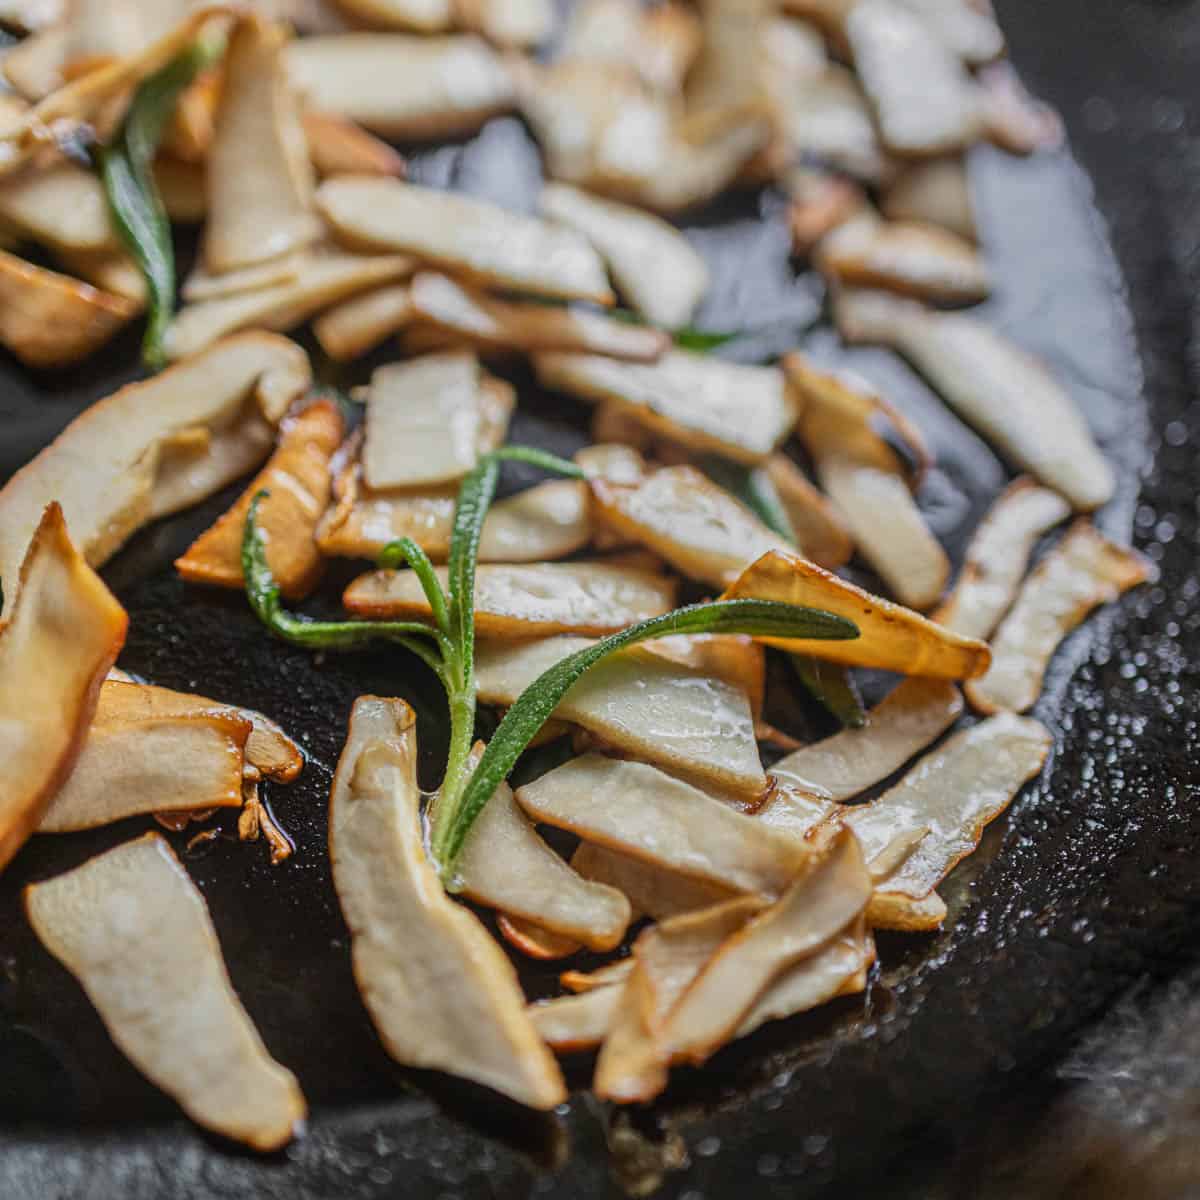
(998, 555)
(532, 600)
(492, 323)
(965, 27)
(913, 715)
(1003, 391)
(843, 426)
(645, 814)
(134, 930)
(653, 265)
(892, 48)
(63, 632)
(400, 86)
(954, 792)
(698, 527)
(820, 201)
(358, 325)
(534, 941)
(819, 529)
(260, 179)
(692, 723)
(155, 447)
(630, 1067)
(579, 1022)
(725, 83)
(338, 146)
(202, 284)
(441, 992)
(918, 260)
(420, 16)
(616, 971)
(936, 192)
(1082, 572)
(297, 478)
(60, 205)
(891, 637)
(699, 401)
(51, 320)
(514, 24)
(110, 270)
(469, 237)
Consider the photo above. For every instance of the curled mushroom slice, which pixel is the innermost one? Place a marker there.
(579, 1022)
(492, 323)
(60, 205)
(297, 479)
(99, 31)
(134, 930)
(820, 531)
(356, 326)
(699, 401)
(616, 971)
(653, 265)
(62, 634)
(699, 528)
(953, 792)
(660, 42)
(645, 814)
(468, 237)
(893, 46)
(1082, 572)
(998, 555)
(441, 992)
(936, 192)
(912, 716)
(155, 447)
(533, 940)
(891, 637)
(337, 146)
(1006, 393)
(421, 16)
(528, 601)
(690, 722)
(403, 87)
(51, 320)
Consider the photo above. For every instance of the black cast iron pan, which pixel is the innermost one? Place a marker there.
(1089, 882)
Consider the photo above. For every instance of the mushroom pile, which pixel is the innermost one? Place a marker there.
(725, 892)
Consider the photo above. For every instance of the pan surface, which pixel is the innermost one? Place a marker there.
(1088, 883)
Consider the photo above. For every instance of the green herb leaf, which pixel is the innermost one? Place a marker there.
(407, 551)
(832, 686)
(126, 168)
(700, 341)
(761, 618)
(753, 487)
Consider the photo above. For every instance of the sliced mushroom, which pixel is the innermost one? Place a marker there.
(297, 479)
(891, 637)
(202, 284)
(702, 402)
(514, 24)
(400, 86)
(699, 528)
(936, 192)
(534, 941)
(101, 31)
(967, 28)
(440, 991)
(892, 910)
(820, 532)
(653, 265)
(661, 42)
(893, 48)
(1012, 118)
(616, 971)
(820, 201)
(692, 723)
(725, 83)
(735, 658)
(110, 271)
(183, 187)
(28, 16)
(645, 814)
(579, 1022)
(134, 930)
(62, 634)
(998, 555)
(355, 326)
(491, 323)
(630, 1067)
(1082, 572)
(911, 717)
(337, 146)
(613, 461)
(154, 447)
(528, 601)
(60, 205)
(469, 237)
(1003, 391)
(421, 16)
(51, 320)
(34, 66)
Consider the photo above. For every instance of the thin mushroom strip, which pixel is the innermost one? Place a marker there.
(133, 929)
(356, 326)
(580, 1022)
(1082, 572)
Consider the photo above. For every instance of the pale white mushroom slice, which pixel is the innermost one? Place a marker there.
(998, 555)
(1003, 391)
(695, 724)
(63, 632)
(1083, 571)
(355, 326)
(421, 16)
(923, 261)
(134, 930)
(654, 266)
(661, 42)
(967, 28)
(1012, 118)
(911, 717)
(155, 447)
(51, 320)
(705, 403)
(28, 16)
(923, 97)
(698, 527)
(643, 813)
(60, 205)
(514, 24)
(531, 600)
(735, 658)
(440, 991)
(891, 637)
(613, 461)
(467, 236)
(203, 284)
(34, 66)
(339, 146)
(725, 84)
(492, 323)
(578, 1022)
(401, 86)
(820, 531)
(936, 192)
(99, 31)
(821, 200)
(321, 279)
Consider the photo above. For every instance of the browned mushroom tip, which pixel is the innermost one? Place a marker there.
(534, 941)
